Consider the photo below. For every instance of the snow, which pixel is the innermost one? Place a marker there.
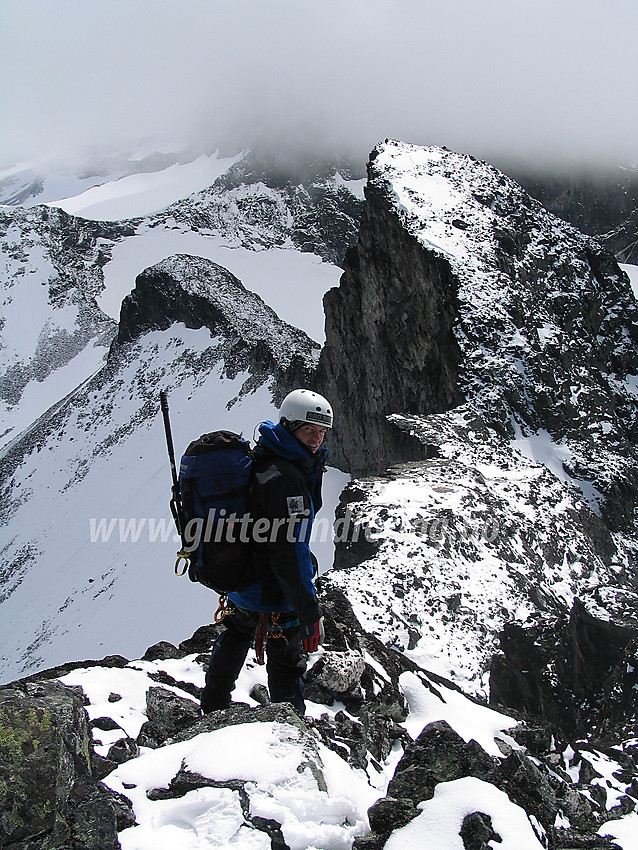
(632, 272)
(322, 540)
(275, 760)
(541, 448)
(39, 396)
(33, 331)
(22, 328)
(354, 186)
(79, 597)
(87, 593)
(290, 777)
(292, 282)
(98, 683)
(624, 831)
(467, 718)
(142, 194)
(452, 802)
(108, 542)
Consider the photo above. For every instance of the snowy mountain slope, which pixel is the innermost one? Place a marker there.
(98, 260)
(86, 531)
(155, 162)
(505, 343)
(56, 268)
(476, 536)
(527, 497)
(278, 275)
(53, 335)
(632, 273)
(281, 229)
(469, 540)
(143, 194)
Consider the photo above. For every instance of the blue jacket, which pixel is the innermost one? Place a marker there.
(285, 494)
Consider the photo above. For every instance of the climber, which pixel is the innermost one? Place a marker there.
(279, 611)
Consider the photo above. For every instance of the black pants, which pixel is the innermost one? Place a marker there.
(285, 664)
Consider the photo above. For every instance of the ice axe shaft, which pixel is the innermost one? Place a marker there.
(176, 500)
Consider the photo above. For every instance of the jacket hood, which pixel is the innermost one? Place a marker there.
(276, 439)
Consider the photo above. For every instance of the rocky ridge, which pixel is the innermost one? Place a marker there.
(260, 202)
(57, 262)
(441, 554)
(462, 287)
(501, 553)
(54, 262)
(200, 293)
(136, 726)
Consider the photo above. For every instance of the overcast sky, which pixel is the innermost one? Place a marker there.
(543, 80)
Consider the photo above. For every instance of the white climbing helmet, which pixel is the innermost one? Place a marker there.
(301, 406)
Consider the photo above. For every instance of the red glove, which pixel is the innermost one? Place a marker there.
(312, 635)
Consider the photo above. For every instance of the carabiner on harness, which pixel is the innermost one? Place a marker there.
(180, 570)
(223, 609)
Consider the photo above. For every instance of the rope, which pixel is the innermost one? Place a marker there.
(261, 636)
(267, 630)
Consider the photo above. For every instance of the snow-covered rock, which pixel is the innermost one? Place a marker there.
(481, 355)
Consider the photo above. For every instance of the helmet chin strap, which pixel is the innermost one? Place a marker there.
(292, 425)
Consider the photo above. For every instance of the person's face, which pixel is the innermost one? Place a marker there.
(311, 435)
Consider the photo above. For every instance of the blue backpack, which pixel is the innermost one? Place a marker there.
(214, 476)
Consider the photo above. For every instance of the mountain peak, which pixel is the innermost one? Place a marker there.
(202, 294)
(463, 288)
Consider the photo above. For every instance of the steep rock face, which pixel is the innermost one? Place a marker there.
(483, 296)
(389, 340)
(577, 672)
(505, 560)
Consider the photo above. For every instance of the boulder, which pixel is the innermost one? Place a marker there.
(167, 715)
(48, 795)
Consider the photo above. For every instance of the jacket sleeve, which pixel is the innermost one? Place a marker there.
(284, 501)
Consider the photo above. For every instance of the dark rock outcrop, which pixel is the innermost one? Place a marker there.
(167, 715)
(48, 795)
(202, 294)
(579, 673)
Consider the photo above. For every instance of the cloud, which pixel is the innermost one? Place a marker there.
(535, 81)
